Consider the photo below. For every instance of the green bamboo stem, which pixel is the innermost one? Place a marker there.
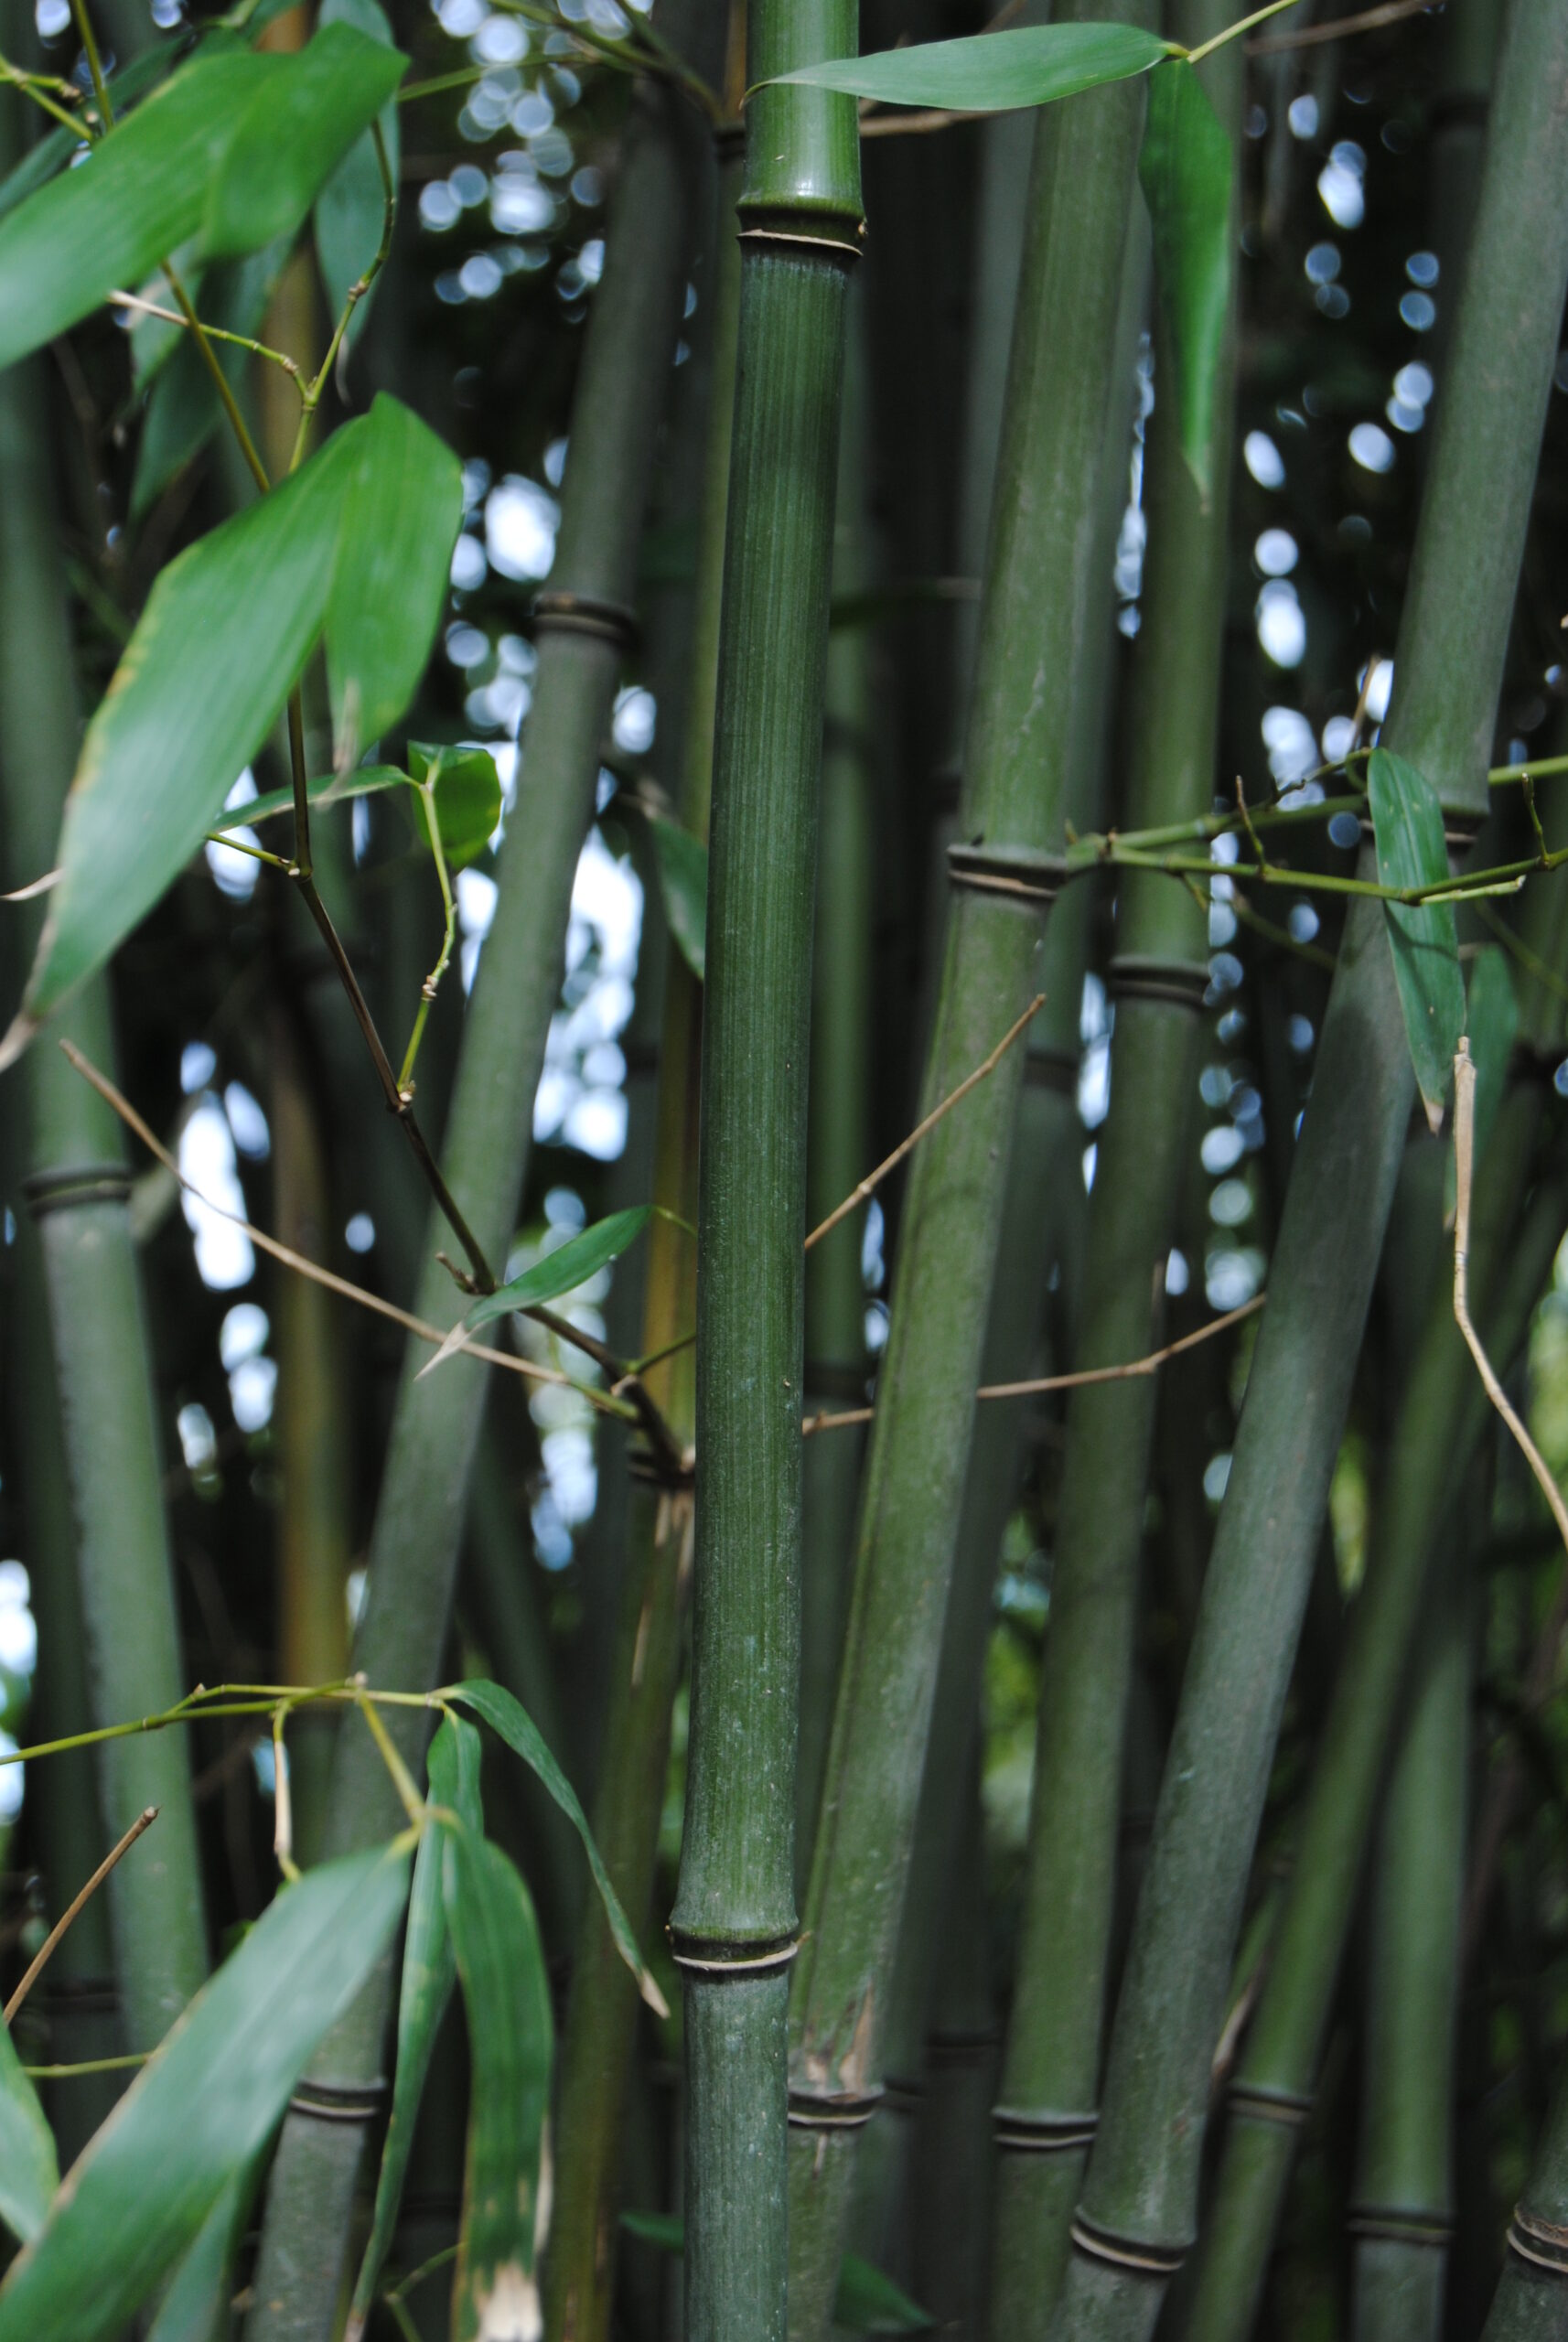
(620, 385)
(1405, 2184)
(1038, 613)
(734, 1922)
(1528, 2303)
(311, 1423)
(1050, 2076)
(1140, 2200)
(79, 1188)
(646, 1653)
(838, 1142)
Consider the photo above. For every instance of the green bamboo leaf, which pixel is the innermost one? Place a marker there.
(324, 792)
(683, 885)
(429, 1970)
(183, 410)
(53, 152)
(517, 1728)
(139, 194)
(866, 2302)
(1407, 822)
(506, 1994)
(992, 72)
(164, 747)
(402, 511)
(29, 2173)
(468, 799)
(564, 1270)
(204, 2107)
(1491, 1024)
(291, 137)
(1186, 168)
(196, 2306)
(350, 207)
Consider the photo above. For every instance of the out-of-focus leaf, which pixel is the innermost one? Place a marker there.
(468, 799)
(401, 518)
(163, 749)
(292, 136)
(350, 207)
(562, 1271)
(324, 792)
(865, 2302)
(196, 2306)
(183, 410)
(50, 157)
(1187, 167)
(29, 2173)
(506, 1994)
(869, 2303)
(683, 885)
(205, 2105)
(139, 194)
(992, 72)
(1407, 822)
(504, 1714)
(429, 1969)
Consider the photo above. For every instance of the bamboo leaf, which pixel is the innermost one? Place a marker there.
(517, 1728)
(205, 2105)
(164, 748)
(196, 2306)
(683, 885)
(50, 156)
(992, 72)
(1407, 822)
(562, 1271)
(290, 138)
(183, 410)
(350, 207)
(866, 2302)
(507, 1996)
(29, 2173)
(324, 792)
(1491, 1021)
(468, 799)
(402, 510)
(138, 194)
(1186, 168)
(429, 1969)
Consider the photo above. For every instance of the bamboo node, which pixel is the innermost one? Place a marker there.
(79, 1184)
(568, 613)
(1019, 870)
(1137, 2253)
(1392, 2224)
(1287, 2106)
(339, 2103)
(1183, 984)
(811, 2109)
(1540, 2241)
(713, 1957)
(1020, 2129)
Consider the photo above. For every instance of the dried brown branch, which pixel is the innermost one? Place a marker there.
(143, 1821)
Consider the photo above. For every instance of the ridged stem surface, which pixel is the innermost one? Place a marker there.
(1037, 612)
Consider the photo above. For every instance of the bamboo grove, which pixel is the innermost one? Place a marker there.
(783, 1295)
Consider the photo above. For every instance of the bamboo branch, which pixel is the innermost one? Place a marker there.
(873, 1179)
(143, 1821)
(419, 1326)
(1366, 20)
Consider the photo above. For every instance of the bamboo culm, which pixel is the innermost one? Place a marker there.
(1404, 2185)
(646, 1655)
(621, 386)
(1136, 2220)
(733, 1928)
(1049, 2089)
(1038, 608)
(78, 1192)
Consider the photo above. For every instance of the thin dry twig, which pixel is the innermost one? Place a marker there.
(873, 1179)
(1366, 20)
(1136, 1367)
(1499, 1808)
(434, 1335)
(143, 1821)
